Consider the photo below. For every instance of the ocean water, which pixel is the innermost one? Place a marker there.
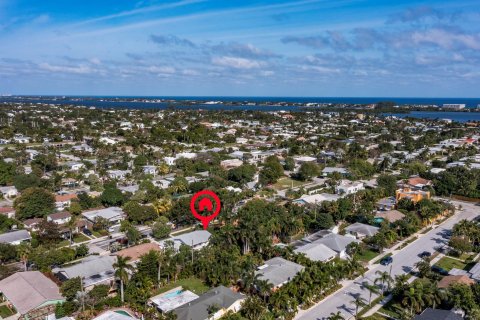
(437, 115)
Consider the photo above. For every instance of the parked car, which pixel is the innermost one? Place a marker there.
(439, 270)
(87, 232)
(425, 254)
(386, 260)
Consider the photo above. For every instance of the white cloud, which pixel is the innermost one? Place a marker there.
(447, 39)
(81, 69)
(237, 63)
(161, 70)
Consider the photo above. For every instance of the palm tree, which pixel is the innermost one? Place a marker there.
(264, 287)
(358, 302)
(412, 298)
(335, 316)
(23, 251)
(372, 288)
(162, 205)
(121, 272)
(72, 225)
(383, 278)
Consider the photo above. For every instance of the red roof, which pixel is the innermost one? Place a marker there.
(65, 197)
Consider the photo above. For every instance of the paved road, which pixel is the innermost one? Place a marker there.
(403, 262)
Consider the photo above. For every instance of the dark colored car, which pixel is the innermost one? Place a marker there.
(425, 254)
(439, 270)
(87, 232)
(386, 261)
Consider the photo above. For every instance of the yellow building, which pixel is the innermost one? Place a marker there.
(413, 195)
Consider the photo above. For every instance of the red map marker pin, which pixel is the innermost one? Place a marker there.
(205, 203)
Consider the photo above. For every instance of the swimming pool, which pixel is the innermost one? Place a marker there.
(173, 294)
(122, 312)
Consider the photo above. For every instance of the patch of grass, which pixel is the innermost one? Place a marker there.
(96, 234)
(375, 316)
(193, 284)
(285, 183)
(367, 255)
(406, 243)
(5, 312)
(80, 237)
(389, 310)
(448, 264)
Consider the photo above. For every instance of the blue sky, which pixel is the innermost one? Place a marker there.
(241, 47)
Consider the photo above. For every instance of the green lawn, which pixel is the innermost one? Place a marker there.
(448, 264)
(5, 312)
(80, 237)
(367, 255)
(285, 183)
(193, 284)
(390, 310)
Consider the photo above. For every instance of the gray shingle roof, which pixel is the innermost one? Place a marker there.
(336, 242)
(93, 269)
(197, 309)
(14, 236)
(316, 251)
(437, 314)
(362, 229)
(28, 290)
(196, 237)
(278, 271)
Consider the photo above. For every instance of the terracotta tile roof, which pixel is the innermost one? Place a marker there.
(449, 280)
(65, 197)
(136, 252)
(417, 180)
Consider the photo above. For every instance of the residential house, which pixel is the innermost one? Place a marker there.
(31, 293)
(414, 195)
(8, 192)
(447, 281)
(135, 252)
(390, 216)
(15, 237)
(418, 183)
(337, 243)
(386, 204)
(9, 212)
(172, 299)
(93, 270)
(73, 166)
(113, 214)
(316, 252)
(223, 298)
(278, 271)
(119, 314)
(317, 198)
(150, 170)
(63, 201)
(329, 170)
(361, 230)
(118, 174)
(31, 224)
(231, 163)
(195, 239)
(60, 217)
(437, 314)
(349, 187)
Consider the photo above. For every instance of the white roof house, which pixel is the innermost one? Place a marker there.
(316, 252)
(15, 237)
(349, 187)
(172, 299)
(278, 271)
(317, 198)
(112, 214)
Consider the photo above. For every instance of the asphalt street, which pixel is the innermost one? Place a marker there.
(403, 262)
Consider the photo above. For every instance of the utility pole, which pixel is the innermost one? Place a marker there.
(192, 252)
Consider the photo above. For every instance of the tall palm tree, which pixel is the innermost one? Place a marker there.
(72, 225)
(121, 272)
(23, 252)
(264, 287)
(372, 288)
(384, 277)
(358, 302)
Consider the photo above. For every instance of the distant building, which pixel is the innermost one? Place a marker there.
(361, 230)
(112, 214)
(454, 106)
(231, 163)
(349, 187)
(172, 299)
